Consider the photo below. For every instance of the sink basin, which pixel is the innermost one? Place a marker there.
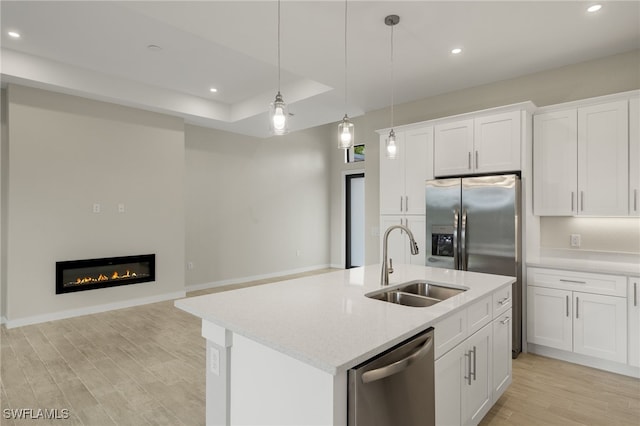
(423, 288)
(416, 293)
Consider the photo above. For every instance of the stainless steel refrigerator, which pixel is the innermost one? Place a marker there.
(474, 224)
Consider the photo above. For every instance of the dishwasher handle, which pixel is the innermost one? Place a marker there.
(400, 365)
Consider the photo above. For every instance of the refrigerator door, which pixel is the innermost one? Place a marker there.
(442, 223)
(488, 224)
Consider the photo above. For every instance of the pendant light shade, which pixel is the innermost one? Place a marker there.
(278, 111)
(346, 130)
(346, 133)
(392, 147)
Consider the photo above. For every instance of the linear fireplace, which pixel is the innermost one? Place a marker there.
(89, 274)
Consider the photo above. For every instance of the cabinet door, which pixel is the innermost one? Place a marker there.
(502, 338)
(634, 157)
(396, 242)
(450, 370)
(418, 167)
(549, 320)
(603, 162)
(555, 163)
(417, 226)
(633, 307)
(600, 326)
(392, 178)
(497, 143)
(453, 147)
(476, 396)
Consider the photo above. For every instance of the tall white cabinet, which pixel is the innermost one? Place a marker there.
(402, 190)
(585, 157)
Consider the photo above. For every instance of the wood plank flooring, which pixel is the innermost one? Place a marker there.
(145, 366)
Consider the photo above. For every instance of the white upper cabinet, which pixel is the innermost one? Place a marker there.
(484, 144)
(634, 157)
(603, 159)
(497, 143)
(402, 179)
(453, 148)
(581, 160)
(555, 163)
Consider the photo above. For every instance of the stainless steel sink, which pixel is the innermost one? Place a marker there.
(416, 293)
(423, 288)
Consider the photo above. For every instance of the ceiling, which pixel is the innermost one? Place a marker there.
(101, 50)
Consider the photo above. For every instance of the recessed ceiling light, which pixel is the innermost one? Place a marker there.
(456, 51)
(13, 34)
(594, 8)
(213, 90)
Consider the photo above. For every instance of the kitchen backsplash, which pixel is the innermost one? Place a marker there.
(619, 234)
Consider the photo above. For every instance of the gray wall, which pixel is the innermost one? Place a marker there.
(255, 207)
(66, 153)
(612, 74)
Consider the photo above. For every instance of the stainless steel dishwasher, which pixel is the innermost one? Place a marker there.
(395, 388)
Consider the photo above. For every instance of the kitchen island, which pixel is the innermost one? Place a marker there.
(278, 354)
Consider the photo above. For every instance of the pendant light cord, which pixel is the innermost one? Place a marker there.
(345, 56)
(392, 79)
(278, 46)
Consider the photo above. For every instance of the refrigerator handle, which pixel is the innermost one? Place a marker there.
(463, 242)
(455, 239)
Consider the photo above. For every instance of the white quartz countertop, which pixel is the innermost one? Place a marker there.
(587, 265)
(326, 321)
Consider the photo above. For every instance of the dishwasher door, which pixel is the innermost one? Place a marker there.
(396, 388)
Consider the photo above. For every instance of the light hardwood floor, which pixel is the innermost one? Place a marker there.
(145, 366)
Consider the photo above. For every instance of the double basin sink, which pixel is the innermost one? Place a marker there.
(416, 293)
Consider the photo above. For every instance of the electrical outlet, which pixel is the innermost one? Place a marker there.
(575, 240)
(96, 207)
(121, 208)
(214, 361)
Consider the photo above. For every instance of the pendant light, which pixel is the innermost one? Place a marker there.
(346, 131)
(278, 111)
(392, 148)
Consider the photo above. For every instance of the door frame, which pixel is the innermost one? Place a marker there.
(345, 226)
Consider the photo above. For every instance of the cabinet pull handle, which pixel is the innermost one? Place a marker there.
(635, 200)
(573, 281)
(401, 203)
(469, 160)
(406, 202)
(582, 201)
(635, 294)
(572, 200)
(577, 307)
(567, 306)
(474, 364)
(468, 377)
(503, 301)
(506, 320)
(476, 158)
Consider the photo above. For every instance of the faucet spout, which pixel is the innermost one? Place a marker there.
(386, 268)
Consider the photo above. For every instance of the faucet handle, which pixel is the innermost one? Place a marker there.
(390, 270)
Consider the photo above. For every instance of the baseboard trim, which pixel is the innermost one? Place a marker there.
(587, 361)
(36, 319)
(213, 284)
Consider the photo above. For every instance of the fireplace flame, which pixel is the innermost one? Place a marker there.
(102, 277)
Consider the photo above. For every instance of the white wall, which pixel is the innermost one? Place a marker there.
(255, 207)
(618, 73)
(66, 153)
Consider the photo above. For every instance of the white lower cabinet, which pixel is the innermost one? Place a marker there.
(633, 329)
(471, 376)
(586, 323)
(502, 344)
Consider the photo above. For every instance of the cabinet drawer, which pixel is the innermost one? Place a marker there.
(479, 314)
(502, 300)
(449, 332)
(587, 282)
